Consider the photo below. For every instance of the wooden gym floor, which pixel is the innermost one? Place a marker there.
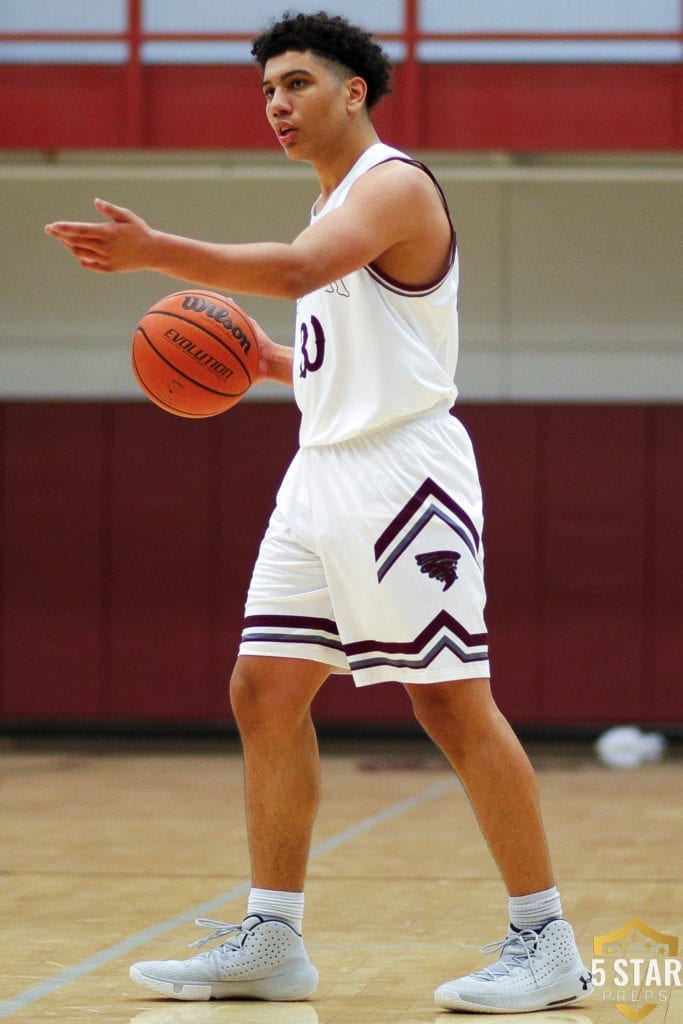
(110, 849)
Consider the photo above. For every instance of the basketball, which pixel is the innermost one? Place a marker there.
(195, 353)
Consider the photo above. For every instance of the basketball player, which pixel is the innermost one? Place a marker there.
(372, 561)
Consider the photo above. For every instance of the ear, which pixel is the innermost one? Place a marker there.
(356, 92)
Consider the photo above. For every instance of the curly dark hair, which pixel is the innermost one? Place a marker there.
(332, 38)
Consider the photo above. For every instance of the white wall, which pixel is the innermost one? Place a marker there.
(571, 270)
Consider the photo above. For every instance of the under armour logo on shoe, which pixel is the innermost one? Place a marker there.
(586, 981)
(440, 565)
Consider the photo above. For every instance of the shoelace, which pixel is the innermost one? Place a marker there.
(221, 930)
(516, 950)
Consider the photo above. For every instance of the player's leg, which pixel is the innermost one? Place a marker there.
(464, 721)
(539, 964)
(271, 699)
(263, 957)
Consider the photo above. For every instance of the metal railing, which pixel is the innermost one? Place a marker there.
(413, 44)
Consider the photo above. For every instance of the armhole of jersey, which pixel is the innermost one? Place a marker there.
(430, 286)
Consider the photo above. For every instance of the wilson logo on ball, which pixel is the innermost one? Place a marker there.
(220, 314)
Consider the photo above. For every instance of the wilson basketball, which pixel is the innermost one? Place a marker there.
(195, 353)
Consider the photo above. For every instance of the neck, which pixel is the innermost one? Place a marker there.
(333, 167)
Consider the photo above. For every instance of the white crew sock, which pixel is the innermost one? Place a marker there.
(534, 910)
(288, 906)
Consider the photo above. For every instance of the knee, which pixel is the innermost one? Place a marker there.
(271, 695)
(433, 710)
(251, 704)
(455, 715)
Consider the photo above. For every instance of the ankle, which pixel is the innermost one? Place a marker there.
(534, 910)
(287, 906)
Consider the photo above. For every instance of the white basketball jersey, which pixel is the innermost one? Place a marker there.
(370, 351)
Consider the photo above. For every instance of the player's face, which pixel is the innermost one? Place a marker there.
(304, 103)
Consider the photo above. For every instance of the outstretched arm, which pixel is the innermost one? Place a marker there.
(125, 242)
(392, 215)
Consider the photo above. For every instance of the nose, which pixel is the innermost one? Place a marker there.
(279, 101)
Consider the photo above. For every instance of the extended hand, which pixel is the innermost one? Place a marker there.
(124, 242)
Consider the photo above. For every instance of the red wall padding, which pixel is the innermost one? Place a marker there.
(62, 107)
(552, 106)
(467, 106)
(127, 539)
(663, 596)
(52, 551)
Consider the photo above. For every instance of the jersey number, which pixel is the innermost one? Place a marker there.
(312, 361)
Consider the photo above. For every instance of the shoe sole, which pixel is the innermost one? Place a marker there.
(280, 988)
(563, 992)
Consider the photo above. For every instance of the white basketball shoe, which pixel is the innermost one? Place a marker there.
(535, 971)
(262, 958)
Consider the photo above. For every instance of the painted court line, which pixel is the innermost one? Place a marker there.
(105, 956)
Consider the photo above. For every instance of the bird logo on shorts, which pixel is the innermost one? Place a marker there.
(440, 565)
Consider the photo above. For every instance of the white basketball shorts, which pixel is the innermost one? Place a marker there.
(372, 562)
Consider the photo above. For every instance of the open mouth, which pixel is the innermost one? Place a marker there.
(284, 132)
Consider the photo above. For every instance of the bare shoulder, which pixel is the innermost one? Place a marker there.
(401, 179)
(404, 194)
